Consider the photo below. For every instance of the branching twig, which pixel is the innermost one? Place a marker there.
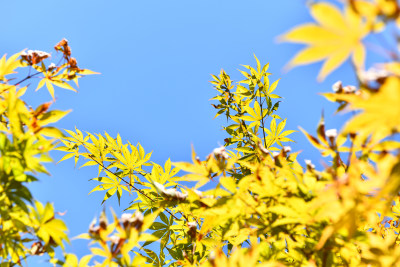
(27, 77)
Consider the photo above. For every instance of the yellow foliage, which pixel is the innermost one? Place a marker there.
(335, 37)
(249, 202)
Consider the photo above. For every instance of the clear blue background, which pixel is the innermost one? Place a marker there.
(155, 60)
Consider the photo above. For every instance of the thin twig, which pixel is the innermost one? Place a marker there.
(27, 77)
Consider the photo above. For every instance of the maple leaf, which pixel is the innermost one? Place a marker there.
(381, 110)
(334, 38)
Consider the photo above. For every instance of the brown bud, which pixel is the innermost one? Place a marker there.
(103, 222)
(93, 228)
(62, 43)
(37, 248)
(67, 51)
(42, 109)
(137, 220)
(192, 229)
(72, 63)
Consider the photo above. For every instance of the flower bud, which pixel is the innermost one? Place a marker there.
(73, 63)
(220, 152)
(103, 222)
(287, 149)
(114, 239)
(51, 67)
(309, 164)
(192, 229)
(137, 220)
(349, 89)
(337, 87)
(37, 248)
(93, 228)
(331, 133)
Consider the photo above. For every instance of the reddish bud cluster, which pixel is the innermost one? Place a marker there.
(37, 248)
(34, 56)
(135, 221)
(338, 88)
(63, 47)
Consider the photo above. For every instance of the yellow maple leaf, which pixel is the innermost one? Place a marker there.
(380, 116)
(7, 66)
(334, 38)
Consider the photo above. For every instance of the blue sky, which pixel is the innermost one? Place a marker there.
(155, 60)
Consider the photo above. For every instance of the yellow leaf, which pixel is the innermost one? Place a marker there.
(328, 16)
(334, 38)
(8, 66)
(333, 62)
(370, 10)
(50, 88)
(303, 34)
(312, 54)
(40, 84)
(63, 84)
(85, 261)
(359, 56)
(381, 113)
(87, 72)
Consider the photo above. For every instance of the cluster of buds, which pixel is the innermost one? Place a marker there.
(285, 151)
(34, 56)
(170, 193)
(220, 153)
(132, 221)
(37, 249)
(373, 75)
(63, 47)
(338, 88)
(192, 229)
